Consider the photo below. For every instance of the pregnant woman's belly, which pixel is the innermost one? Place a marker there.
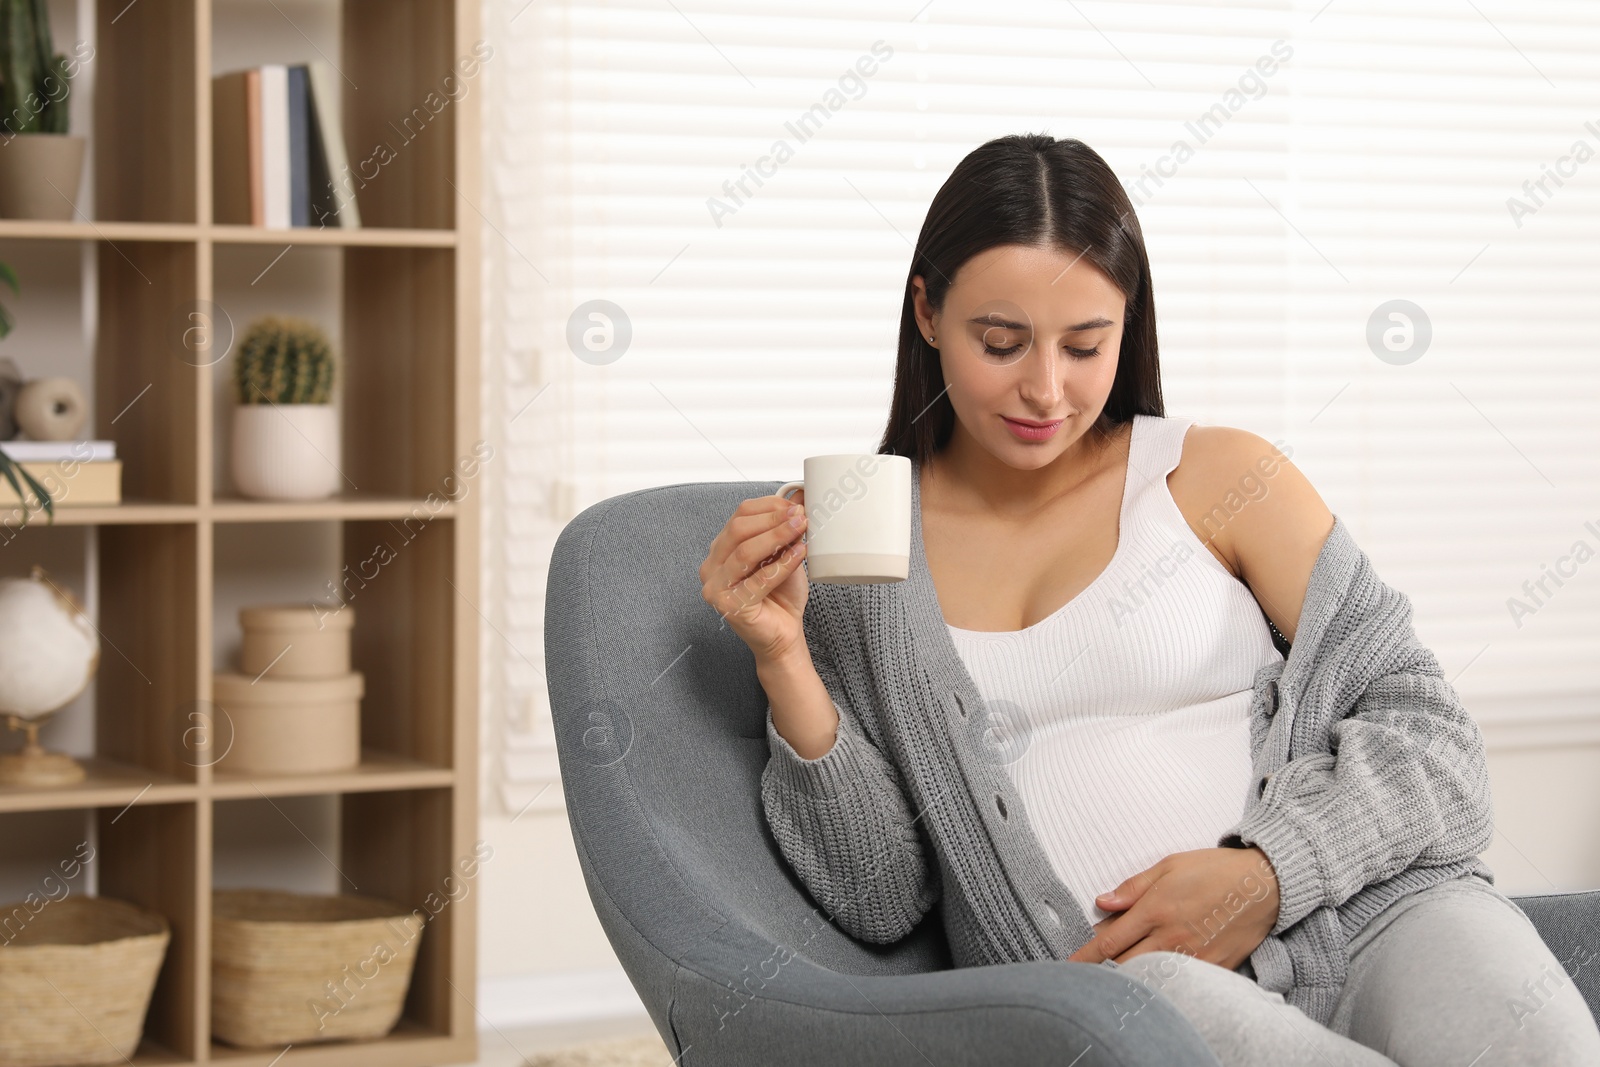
(1109, 796)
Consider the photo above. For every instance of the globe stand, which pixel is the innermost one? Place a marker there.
(34, 765)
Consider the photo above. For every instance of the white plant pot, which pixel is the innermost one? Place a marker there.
(286, 451)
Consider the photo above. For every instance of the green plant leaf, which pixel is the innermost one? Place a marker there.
(8, 276)
(9, 470)
(48, 504)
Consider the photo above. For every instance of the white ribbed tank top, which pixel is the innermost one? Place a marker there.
(1131, 703)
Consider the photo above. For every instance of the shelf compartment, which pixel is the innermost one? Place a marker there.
(145, 119)
(397, 845)
(392, 845)
(397, 576)
(400, 128)
(147, 362)
(405, 60)
(148, 854)
(399, 357)
(147, 687)
(130, 725)
(144, 854)
(390, 315)
(378, 771)
(403, 639)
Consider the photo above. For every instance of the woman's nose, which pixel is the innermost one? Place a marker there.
(1041, 378)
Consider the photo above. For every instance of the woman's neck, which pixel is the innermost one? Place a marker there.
(964, 476)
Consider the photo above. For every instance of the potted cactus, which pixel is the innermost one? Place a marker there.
(286, 426)
(40, 163)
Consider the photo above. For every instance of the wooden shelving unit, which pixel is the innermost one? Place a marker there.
(408, 344)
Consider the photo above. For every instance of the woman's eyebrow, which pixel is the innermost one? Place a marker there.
(1007, 324)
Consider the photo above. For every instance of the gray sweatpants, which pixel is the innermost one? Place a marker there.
(1454, 975)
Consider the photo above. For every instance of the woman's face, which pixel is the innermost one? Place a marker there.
(1025, 333)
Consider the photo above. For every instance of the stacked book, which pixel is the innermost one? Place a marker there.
(72, 472)
(280, 156)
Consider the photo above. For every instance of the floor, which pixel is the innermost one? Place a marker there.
(511, 1047)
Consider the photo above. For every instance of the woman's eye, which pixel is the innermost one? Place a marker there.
(1002, 353)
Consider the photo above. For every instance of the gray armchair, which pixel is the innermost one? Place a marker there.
(660, 726)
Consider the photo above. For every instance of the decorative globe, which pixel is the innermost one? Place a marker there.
(48, 647)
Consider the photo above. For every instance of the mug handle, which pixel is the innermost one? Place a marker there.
(784, 491)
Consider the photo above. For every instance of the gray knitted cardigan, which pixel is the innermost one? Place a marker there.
(1370, 781)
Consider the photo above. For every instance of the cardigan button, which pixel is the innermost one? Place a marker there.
(960, 706)
(1000, 802)
(1048, 910)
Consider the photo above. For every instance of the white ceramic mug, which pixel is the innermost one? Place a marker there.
(858, 517)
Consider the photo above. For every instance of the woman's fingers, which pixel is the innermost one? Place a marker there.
(754, 555)
(752, 516)
(1114, 936)
(768, 575)
(749, 540)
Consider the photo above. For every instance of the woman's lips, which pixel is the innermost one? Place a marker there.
(1025, 431)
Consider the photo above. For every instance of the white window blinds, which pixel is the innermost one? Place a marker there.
(744, 181)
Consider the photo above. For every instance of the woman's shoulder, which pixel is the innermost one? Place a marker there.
(1265, 517)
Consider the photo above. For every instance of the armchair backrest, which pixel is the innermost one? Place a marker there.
(661, 734)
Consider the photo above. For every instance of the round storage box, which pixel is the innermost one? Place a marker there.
(295, 968)
(295, 641)
(102, 957)
(287, 725)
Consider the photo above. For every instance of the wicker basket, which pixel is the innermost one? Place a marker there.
(76, 979)
(296, 968)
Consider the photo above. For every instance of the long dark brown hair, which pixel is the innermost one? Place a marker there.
(1027, 189)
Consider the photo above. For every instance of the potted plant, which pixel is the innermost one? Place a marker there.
(40, 163)
(10, 468)
(285, 427)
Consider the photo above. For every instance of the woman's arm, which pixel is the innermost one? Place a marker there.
(1409, 786)
(1404, 780)
(842, 818)
(1262, 513)
(1399, 777)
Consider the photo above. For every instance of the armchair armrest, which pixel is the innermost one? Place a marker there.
(1570, 925)
(739, 999)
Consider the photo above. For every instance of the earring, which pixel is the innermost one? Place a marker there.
(930, 338)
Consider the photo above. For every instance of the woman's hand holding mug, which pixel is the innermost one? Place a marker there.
(753, 575)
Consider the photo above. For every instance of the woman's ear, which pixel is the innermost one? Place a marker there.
(924, 312)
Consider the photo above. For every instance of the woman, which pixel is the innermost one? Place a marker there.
(1120, 593)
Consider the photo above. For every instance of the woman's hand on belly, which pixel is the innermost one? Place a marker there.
(1216, 904)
